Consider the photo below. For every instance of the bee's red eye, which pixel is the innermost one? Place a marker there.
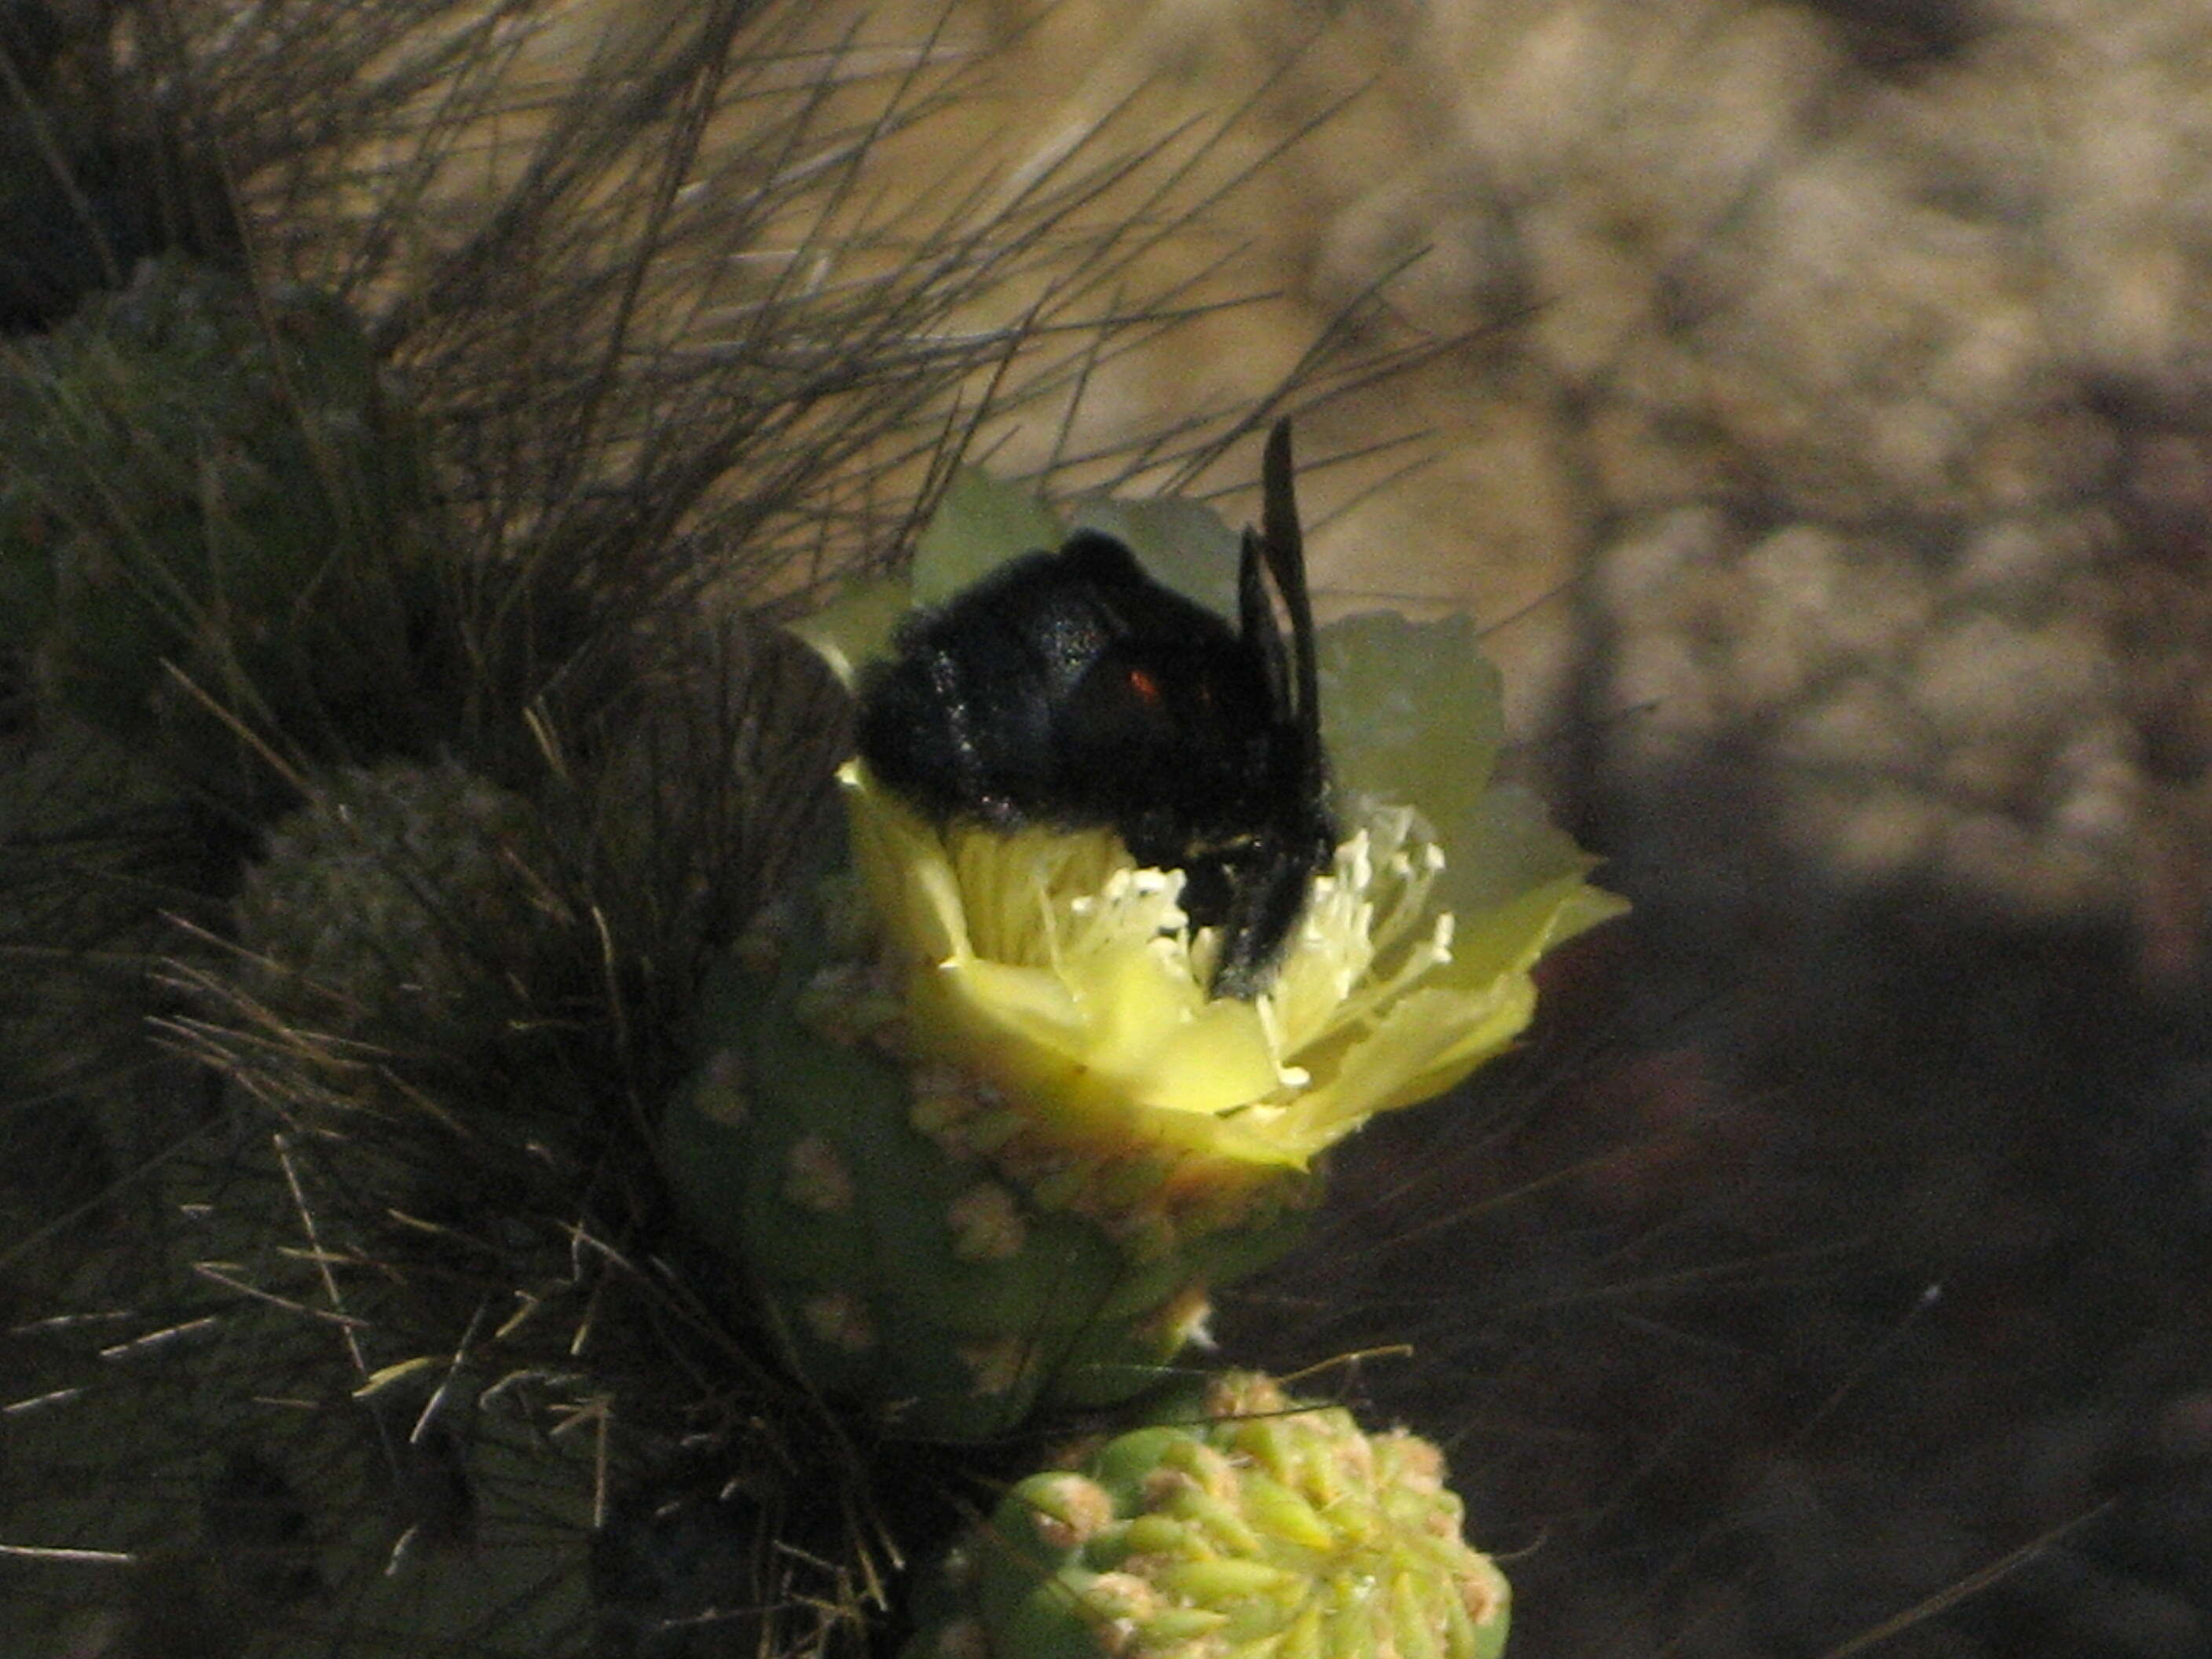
(1146, 685)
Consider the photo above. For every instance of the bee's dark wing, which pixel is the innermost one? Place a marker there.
(1282, 545)
(1271, 873)
(1272, 883)
(1257, 625)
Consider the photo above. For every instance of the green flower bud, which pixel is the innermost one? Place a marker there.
(1261, 1529)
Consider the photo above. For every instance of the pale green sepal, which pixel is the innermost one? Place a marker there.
(1179, 542)
(1501, 847)
(979, 524)
(1411, 711)
(856, 627)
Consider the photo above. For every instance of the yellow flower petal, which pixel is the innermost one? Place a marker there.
(1067, 986)
(1046, 964)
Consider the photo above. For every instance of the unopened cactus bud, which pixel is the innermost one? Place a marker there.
(1258, 1527)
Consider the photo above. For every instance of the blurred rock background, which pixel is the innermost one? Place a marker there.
(1820, 403)
(1825, 382)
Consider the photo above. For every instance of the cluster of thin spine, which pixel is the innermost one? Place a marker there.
(331, 1315)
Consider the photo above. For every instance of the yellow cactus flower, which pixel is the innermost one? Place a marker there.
(972, 1117)
(1060, 990)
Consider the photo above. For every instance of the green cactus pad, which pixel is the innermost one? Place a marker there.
(903, 1266)
(1256, 1528)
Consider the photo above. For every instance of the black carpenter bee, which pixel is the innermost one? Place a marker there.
(1069, 688)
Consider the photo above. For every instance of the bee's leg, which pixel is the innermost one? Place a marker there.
(1268, 894)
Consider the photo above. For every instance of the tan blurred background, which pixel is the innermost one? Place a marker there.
(1822, 409)
(1819, 383)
